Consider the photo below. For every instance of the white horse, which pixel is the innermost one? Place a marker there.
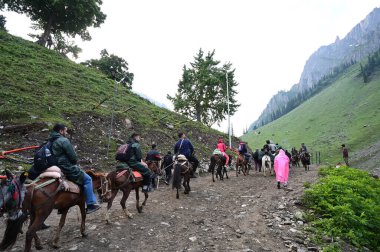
(266, 163)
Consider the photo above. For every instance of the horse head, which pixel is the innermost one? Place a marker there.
(100, 183)
(154, 167)
(12, 192)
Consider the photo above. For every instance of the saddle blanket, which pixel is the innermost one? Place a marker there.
(137, 176)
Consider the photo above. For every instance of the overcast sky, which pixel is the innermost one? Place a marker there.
(268, 42)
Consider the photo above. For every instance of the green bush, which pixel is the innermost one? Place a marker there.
(346, 203)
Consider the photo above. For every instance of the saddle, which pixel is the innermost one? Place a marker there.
(54, 173)
(135, 176)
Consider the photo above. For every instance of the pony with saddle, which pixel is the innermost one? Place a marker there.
(217, 159)
(267, 164)
(125, 179)
(49, 191)
(295, 159)
(182, 169)
(242, 163)
(305, 160)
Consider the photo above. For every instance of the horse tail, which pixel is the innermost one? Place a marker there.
(177, 176)
(13, 228)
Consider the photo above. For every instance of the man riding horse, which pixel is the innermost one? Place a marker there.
(184, 147)
(134, 161)
(67, 159)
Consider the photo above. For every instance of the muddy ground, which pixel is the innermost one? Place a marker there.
(239, 214)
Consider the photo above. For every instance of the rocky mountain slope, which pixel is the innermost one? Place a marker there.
(362, 40)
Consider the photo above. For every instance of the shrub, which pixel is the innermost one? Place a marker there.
(346, 204)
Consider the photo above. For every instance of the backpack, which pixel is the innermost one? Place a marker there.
(168, 159)
(44, 158)
(123, 153)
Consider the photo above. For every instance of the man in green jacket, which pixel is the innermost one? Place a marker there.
(135, 161)
(67, 162)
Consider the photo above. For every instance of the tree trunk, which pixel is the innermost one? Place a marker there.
(45, 36)
(198, 113)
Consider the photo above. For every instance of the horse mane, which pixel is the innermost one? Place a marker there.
(93, 174)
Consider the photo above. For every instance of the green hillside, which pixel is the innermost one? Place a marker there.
(345, 112)
(39, 87)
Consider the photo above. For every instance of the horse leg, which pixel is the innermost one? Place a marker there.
(146, 198)
(212, 172)
(109, 205)
(185, 184)
(126, 193)
(82, 210)
(263, 165)
(237, 167)
(60, 226)
(139, 208)
(33, 228)
(188, 184)
(225, 171)
(177, 196)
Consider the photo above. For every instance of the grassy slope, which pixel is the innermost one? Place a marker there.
(38, 85)
(336, 115)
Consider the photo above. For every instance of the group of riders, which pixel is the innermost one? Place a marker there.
(66, 160)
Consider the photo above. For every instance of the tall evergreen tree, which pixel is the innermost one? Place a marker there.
(202, 91)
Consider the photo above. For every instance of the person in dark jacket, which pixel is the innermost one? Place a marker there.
(167, 164)
(135, 161)
(184, 147)
(153, 154)
(67, 160)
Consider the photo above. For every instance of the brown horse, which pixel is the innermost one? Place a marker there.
(241, 164)
(125, 181)
(41, 198)
(220, 161)
(305, 160)
(182, 168)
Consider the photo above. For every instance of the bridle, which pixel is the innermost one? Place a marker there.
(104, 191)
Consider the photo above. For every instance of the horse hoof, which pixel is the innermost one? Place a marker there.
(139, 209)
(143, 203)
(84, 235)
(177, 197)
(39, 247)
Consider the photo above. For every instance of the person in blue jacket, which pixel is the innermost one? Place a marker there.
(184, 147)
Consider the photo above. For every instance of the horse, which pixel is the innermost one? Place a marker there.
(219, 160)
(42, 196)
(295, 161)
(126, 180)
(305, 160)
(182, 168)
(266, 163)
(154, 165)
(241, 164)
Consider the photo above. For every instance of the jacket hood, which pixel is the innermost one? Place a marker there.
(54, 135)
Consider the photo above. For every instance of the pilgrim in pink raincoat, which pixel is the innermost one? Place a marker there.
(222, 147)
(281, 167)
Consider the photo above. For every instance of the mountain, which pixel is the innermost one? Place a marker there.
(326, 63)
(345, 112)
(39, 87)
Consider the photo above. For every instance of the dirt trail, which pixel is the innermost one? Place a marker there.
(238, 214)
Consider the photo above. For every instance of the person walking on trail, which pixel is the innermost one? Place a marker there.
(67, 159)
(222, 147)
(184, 147)
(281, 168)
(134, 161)
(167, 164)
(345, 154)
